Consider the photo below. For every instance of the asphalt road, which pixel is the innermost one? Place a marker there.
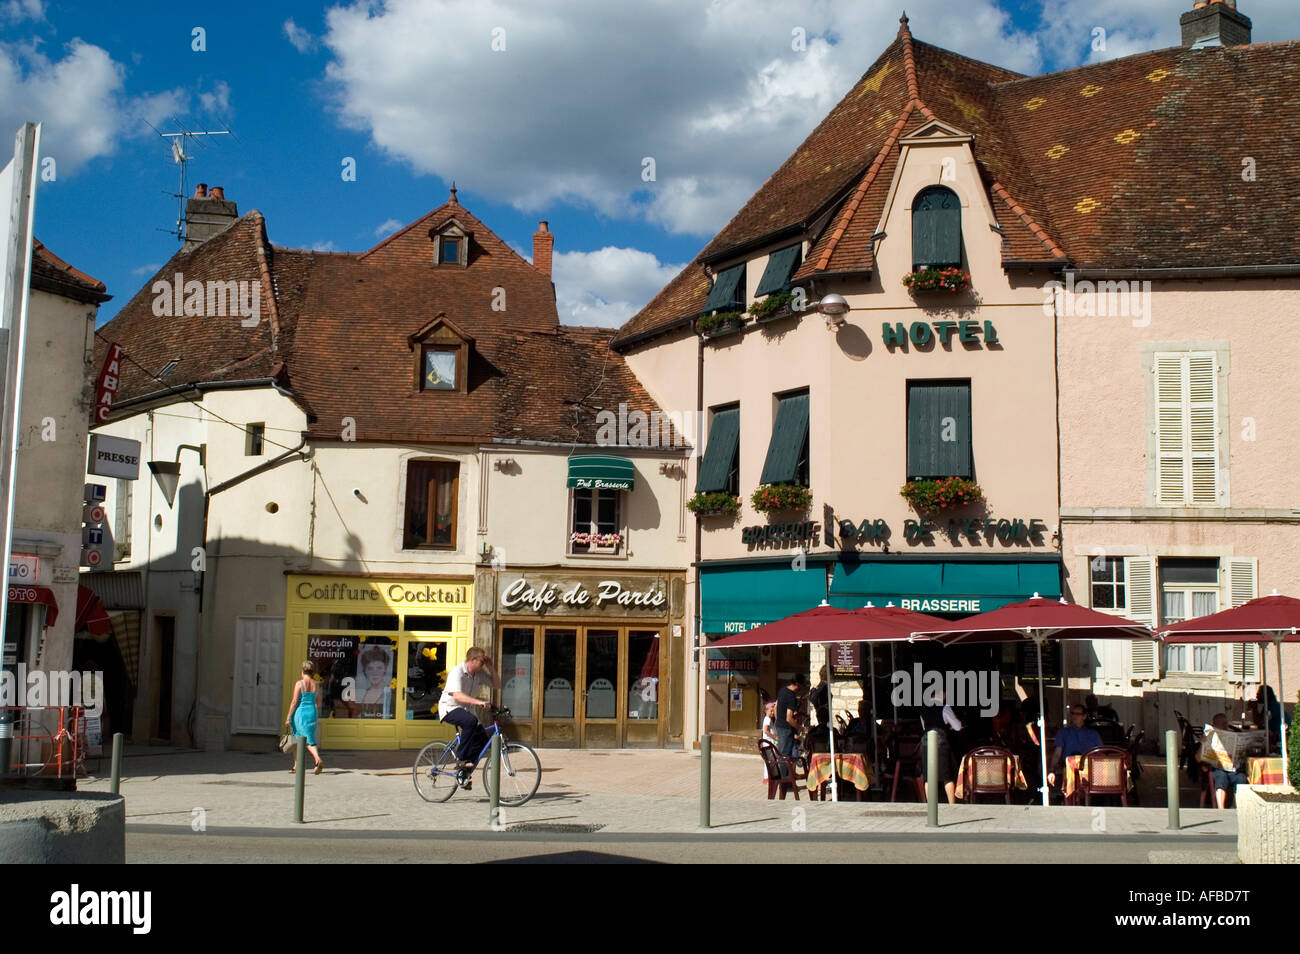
(146, 844)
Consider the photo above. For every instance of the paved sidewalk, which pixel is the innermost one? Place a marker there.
(643, 791)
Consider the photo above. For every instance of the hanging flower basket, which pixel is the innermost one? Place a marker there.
(770, 498)
(607, 540)
(774, 306)
(719, 324)
(928, 496)
(936, 280)
(716, 504)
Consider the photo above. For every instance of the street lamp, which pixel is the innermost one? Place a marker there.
(167, 473)
(833, 307)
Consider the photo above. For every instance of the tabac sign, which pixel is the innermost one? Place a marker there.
(559, 594)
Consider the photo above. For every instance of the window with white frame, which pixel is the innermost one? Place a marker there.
(1189, 588)
(597, 525)
(1186, 428)
(1109, 590)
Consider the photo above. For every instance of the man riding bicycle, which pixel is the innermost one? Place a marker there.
(459, 697)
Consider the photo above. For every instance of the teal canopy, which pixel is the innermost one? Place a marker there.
(601, 473)
(939, 586)
(737, 599)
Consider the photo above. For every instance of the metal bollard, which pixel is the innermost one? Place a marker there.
(706, 780)
(494, 793)
(115, 778)
(6, 738)
(1171, 777)
(932, 773)
(299, 778)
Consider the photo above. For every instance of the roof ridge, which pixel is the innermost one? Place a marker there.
(71, 270)
(909, 66)
(263, 266)
(850, 207)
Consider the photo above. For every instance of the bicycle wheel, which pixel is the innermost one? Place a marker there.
(521, 773)
(434, 773)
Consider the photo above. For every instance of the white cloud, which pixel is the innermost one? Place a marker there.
(324, 247)
(583, 91)
(15, 10)
(80, 99)
(302, 40)
(147, 269)
(608, 286)
(217, 101)
(387, 227)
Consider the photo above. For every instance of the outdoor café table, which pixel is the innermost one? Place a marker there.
(1020, 782)
(1074, 773)
(851, 767)
(1266, 772)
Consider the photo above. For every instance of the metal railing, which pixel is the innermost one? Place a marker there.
(47, 741)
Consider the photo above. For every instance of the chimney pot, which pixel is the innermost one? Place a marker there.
(217, 192)
(1215, 18)
(201, 190)
(543, 246)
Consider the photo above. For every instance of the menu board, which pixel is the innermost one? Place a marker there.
(846, 660)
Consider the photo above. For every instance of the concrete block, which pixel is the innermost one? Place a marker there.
(40, 827)
(1268, 832)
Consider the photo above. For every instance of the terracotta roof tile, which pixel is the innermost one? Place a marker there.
(51, 273)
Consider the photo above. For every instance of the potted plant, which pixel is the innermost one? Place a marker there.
(769, 498)
(715, 504)
(928, 496)
(719, 323)
(950, 279)
(603, 541)
(774, 306)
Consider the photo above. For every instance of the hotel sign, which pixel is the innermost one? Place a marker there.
(561, 594)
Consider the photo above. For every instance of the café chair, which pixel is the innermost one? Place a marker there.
(1104, 771)
(903, 764)
(782, 773)
(989, 770)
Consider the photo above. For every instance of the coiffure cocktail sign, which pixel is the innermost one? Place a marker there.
(559, 595)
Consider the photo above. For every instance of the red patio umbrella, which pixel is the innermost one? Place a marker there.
(1268, 619)
(1037, 620)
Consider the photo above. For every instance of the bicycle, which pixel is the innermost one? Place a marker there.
(434, 772)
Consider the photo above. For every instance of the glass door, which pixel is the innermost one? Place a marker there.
(559, 724)
(644, 689)
(601, 690)
(423, 673)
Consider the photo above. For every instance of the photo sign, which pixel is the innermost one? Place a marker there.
(560, 594)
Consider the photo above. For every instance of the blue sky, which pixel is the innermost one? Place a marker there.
(552, 124)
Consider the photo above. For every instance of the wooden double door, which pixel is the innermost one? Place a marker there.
(585, 686)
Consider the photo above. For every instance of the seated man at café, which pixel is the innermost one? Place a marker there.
(1212, 754)
(1073, 739)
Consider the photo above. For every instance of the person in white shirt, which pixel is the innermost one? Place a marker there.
(460, 698)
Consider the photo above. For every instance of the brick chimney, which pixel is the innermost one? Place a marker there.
(1209, 19)
(207, 213)
(543, 246)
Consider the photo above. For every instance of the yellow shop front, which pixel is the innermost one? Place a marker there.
(382, 647)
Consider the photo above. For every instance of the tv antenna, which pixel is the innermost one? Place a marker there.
(183, 147)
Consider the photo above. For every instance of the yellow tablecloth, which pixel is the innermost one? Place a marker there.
(1266, 772)
(1018, 781)
(852, 767)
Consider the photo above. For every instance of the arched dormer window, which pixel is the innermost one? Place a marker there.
(936, 229)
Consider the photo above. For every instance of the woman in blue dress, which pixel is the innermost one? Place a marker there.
(302, 713)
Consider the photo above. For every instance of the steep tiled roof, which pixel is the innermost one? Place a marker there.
(1119, 164)
(52, 274)
(335, 330)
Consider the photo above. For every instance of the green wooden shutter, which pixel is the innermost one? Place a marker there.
(723, 293)
(789, 441)
(936, 229)
(720, 455)
(780, 266)
(938, 430)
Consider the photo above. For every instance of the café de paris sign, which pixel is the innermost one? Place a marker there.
(558, 594)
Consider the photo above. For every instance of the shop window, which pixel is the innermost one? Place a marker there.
(939, 430)
(357, 674)
(720, 466)
(936, 229)
(432, 491)
(643, 675)
(517, 655)
(1108, 587)
(1186, 428)
(1189, 589)
(787, 454)
(597, 522)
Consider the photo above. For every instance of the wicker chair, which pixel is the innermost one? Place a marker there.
(782, 773)
(1104, 771)
(989, 770)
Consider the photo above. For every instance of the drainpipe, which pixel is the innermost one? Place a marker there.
(701, 664)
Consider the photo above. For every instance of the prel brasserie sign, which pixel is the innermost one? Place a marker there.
(558, 594)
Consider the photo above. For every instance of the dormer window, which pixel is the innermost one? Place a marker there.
(936, 229)
(728, 292)
(451, 244)
(441, 356)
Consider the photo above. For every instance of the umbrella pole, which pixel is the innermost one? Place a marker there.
(1281, 702)
(830, 729)
(875, 739)
(1042, 719)
(893, 667)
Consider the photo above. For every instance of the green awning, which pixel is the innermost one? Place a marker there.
(600, 473)
(942, 587)
(723, 293)
(789, 441)
(737, 599)
(780, 266)
(720, 455)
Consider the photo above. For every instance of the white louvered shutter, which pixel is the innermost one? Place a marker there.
(1171, 471)
(1141, 576)
(1243, 586)
(1203, 429)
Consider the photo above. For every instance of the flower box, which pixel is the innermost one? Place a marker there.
(774, 307)
(718, 325)
(929, 496)
(927, 280)
(772, 498)
(596, 542)
(717, 504)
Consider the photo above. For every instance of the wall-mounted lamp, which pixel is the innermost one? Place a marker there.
(833, 308)
(503, 463)
(484, 551)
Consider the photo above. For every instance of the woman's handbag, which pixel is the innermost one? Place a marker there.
(288, 743)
